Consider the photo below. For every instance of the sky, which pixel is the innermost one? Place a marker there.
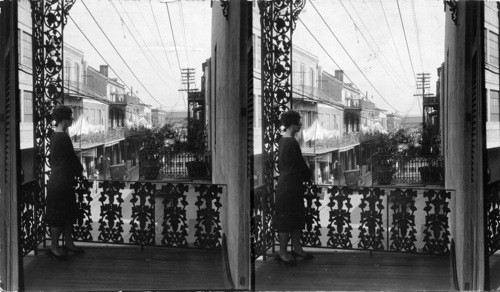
(377, 46)
(151, 56)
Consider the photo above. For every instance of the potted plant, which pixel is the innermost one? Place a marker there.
(385, 171)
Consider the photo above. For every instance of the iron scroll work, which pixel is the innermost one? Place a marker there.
(453, 4)
(48, 19)
(277, 20)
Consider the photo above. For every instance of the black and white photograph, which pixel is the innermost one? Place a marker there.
(249, 145)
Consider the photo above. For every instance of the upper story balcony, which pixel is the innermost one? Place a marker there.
(431, 101)
(89, 139)
(118, 99)
(363, 237)
(348, 139)
(137, 235)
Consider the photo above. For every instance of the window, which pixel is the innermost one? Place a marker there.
(28, 107)
(77, 75)
(257, 112)
(494, 106)
(258, 52)
(311, 76)
(19, 45)
(27, 50)
(493, 49)
(100, 118)
(301, 76)
(67, 69)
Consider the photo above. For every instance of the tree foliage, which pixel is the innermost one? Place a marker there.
(430, 140)
(400, 142)
(155, 139)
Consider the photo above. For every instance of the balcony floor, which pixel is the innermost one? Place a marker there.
(126, 268)
(355, 270)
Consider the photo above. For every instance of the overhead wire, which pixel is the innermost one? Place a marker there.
(375, 52)
(406, 41)
(418, 45)
(168, 61)
(175, 46)
(417, 34)
(142, 39)
(152, 34)
(316, 98)
(160, 37)
(345, 50)
(121, 57)
(393, 42)
(105, 61)
(181, 12)
(137, 43)
(176, 51)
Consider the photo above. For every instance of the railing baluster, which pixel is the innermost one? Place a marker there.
(208, 225)
(437, 234)
(175, 223)
(339, 227)
(111, 222)
(371, 224)
(312, 229)
(83, 226)
(142, 225)
(403, 220)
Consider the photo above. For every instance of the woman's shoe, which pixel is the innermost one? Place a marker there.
(51, 254)
(306, 256)
(77, 250)
(282, 261)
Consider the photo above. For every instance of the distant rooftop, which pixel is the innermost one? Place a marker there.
(177, 115)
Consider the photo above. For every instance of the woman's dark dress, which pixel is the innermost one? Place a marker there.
(64, 164)
(289, 204)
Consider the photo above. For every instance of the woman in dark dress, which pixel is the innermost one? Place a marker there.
(289, 205)
(61, 200)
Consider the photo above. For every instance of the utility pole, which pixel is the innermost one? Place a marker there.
(187, 76)
(423, 83)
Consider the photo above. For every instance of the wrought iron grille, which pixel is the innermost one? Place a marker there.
(48, 19)
(174, 164)
(493, 217)
(277, 20)
(145, 213)
(409, 220)
(137, 213)
(408, 169)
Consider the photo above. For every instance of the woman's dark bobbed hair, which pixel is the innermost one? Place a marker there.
(61, 112)
(290, 118)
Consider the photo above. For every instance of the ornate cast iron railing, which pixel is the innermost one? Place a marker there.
(137, 213)
(408, 169)
(374, 219)
(174, 164)
(277, 20)
(493, 217)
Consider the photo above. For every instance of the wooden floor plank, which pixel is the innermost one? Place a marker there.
(341, 271)
(127, 268)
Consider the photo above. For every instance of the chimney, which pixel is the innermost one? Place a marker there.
(339, 74)
(103, 69)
